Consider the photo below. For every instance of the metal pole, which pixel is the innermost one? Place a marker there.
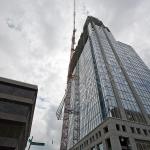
(30, 143)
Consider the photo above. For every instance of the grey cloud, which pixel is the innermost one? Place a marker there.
(116, 13)
(12, 25)
(145, 55)
(53, 128)
(40, 107)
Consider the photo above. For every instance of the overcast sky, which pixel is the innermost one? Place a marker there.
(35, 39)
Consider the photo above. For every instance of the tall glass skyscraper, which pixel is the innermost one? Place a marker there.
(111, 93)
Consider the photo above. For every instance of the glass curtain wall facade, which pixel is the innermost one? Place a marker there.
(113, 81)
(138, 73)
(91, 114)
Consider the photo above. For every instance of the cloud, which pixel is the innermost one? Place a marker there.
(35, 40)
(12, 25)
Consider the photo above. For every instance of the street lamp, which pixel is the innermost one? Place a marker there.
(35, 143)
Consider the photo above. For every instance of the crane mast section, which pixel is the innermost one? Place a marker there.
(65, 103)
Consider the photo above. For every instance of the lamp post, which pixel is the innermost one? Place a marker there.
(35, 143)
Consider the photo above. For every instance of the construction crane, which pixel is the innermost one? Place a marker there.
(64, 109)
(60, 108)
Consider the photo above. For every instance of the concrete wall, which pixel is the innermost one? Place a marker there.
(109, 130)
(17, 103)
